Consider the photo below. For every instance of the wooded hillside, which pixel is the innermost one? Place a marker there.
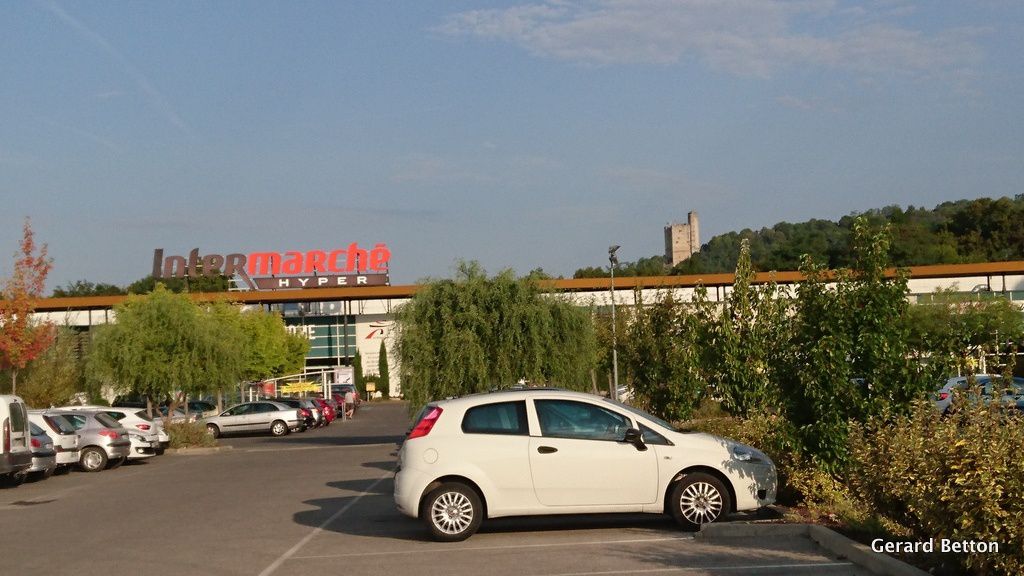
(965, 231)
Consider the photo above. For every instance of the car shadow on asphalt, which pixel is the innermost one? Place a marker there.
(388, 465)
(307, 439)
(374, 515)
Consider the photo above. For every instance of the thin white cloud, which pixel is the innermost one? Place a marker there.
(153, 96)
(431, 169)
(744, 37)
(95, 138)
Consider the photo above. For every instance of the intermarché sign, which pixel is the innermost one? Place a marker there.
(351, 266)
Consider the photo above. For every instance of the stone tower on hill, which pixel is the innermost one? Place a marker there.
(682, 240)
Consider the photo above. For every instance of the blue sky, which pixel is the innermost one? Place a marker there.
(519, 134)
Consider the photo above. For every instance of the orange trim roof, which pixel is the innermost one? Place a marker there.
(572, 284)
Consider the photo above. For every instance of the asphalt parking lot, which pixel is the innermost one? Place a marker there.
(320, 502)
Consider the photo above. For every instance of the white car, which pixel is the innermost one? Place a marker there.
(65, 438)
(550, 451)
(142, 446)
(15, 438)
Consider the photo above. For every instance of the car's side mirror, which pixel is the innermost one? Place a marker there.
(634, 437)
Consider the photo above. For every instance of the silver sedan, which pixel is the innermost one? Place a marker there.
(262, 416)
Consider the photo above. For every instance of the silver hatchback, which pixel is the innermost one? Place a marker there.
(102, 440)
(44, 457)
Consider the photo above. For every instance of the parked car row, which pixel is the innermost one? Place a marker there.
(39, 443)
(1009, 393)
(278, 416)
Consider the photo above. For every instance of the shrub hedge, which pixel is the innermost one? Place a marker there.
(917, 477)
(959, 477)
(189, 435)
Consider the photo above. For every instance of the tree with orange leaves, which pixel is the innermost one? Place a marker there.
(22, 339)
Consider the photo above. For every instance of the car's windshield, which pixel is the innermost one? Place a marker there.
(107, 420)
(76, 420)
(641, 413)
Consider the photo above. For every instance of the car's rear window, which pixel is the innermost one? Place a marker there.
(18, 416)
(36, 430)
(498, 418)
(60, 424)
(145, 416)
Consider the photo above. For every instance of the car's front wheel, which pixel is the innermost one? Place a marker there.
(213, 430)
(452, 511)
(699, 499)
(278, 428)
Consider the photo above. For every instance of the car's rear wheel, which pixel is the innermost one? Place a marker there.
(92, 460)
(452, 511)
(213, 430)
(278, 428)
(699, 499)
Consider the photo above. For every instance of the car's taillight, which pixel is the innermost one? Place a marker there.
(943, 395)
(305, 413)
(142, 426)
(424, 426)
(7, 435)
(36, 443)
(109, 433)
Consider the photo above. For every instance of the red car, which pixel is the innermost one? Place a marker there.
(326, 409)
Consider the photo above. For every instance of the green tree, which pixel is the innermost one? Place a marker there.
(224, 322)
(474, 333)
(744, 352)
(160, 346)
(384, 372)
(650, 266)
(200, 283)
(86, 288)
(357, 373)
(849, 357)
(663, 356)
(53, 377)
(270, 350)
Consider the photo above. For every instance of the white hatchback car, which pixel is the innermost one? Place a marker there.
(548, 451)
(63, 434)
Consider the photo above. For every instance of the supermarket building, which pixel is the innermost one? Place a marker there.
(354, 308)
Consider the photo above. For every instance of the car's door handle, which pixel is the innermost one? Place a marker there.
(547, 449)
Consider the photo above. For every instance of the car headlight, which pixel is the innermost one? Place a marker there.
(745, 454)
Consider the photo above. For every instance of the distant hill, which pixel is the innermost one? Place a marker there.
(965, 231)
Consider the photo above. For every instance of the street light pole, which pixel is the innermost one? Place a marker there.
(615, 349)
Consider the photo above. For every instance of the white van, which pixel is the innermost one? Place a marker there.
(15, 452)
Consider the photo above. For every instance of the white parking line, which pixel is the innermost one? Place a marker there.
(446, 550)
(746, 569)
(298, 546)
